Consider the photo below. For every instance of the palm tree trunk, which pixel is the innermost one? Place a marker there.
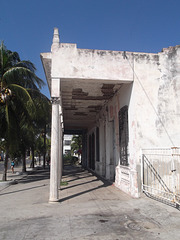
(4, 178)
(32, 164)
(44, 153)
(24, 162)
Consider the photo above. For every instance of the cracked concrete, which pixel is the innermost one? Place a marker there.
(89, 209)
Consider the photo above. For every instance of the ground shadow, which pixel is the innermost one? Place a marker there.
(79, 184)
(33, 176)
(22, 190)
(75, 169)
(164, 201)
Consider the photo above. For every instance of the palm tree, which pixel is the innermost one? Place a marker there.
(43, 118)
(17, 78)
(76, 144)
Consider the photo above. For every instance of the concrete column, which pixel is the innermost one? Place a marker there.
(61, 155)
(110, 164)
(102, 137)
(108, 148)
(54, 196)
(60, 166)
(84, 150)
(61, 146)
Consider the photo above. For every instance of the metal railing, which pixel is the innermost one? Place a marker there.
(160, 173)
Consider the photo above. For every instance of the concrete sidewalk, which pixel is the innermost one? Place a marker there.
(89, 209)
(13, 178)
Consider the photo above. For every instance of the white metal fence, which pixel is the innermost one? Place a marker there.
(160, 172)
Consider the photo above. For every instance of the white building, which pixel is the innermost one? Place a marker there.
(120, 101)
(67, 144)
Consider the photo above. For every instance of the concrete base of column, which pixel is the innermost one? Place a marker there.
(53, 200)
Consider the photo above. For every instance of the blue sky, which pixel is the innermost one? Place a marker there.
(26, 26)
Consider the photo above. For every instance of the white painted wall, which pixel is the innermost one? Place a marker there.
(154, 112)
(69, 62)
(152, 99)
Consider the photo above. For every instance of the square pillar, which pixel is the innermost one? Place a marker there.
(54, 196)
(60, 167)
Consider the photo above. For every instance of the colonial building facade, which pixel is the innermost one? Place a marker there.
(119, 101)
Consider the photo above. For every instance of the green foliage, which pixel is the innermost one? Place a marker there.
(2, 145)
(17, 106)
(63, 183)
(24, 111)
(76, 143)
(67, 158)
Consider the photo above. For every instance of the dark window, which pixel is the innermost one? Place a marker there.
(67, 142)
(123, 135)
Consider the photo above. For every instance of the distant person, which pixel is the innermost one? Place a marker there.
(48, 162)
(12, 166)
(1, 157)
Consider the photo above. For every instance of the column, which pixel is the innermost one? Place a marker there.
(60, 146)
(108, 146)
(54, 196)
(55, 131)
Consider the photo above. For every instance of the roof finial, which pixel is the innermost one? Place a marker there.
(56, 41)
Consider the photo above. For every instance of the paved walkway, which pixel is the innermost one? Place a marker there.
(89, 209)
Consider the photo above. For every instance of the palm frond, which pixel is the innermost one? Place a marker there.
(7, 59)
(25, 111)
(22, 76)
(26, 64)
(13, 128)
(7, 114)
(22, 93)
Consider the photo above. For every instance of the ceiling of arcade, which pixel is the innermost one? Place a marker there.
(82, 99)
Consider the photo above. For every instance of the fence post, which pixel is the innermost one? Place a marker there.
(142, 169)
(173, 170)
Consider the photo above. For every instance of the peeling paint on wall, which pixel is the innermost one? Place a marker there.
(96, 84)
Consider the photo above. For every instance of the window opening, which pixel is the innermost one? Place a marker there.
(123, 135)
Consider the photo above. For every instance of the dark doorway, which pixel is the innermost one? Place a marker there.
(90, 152)
(93, 152)
(97, 144)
